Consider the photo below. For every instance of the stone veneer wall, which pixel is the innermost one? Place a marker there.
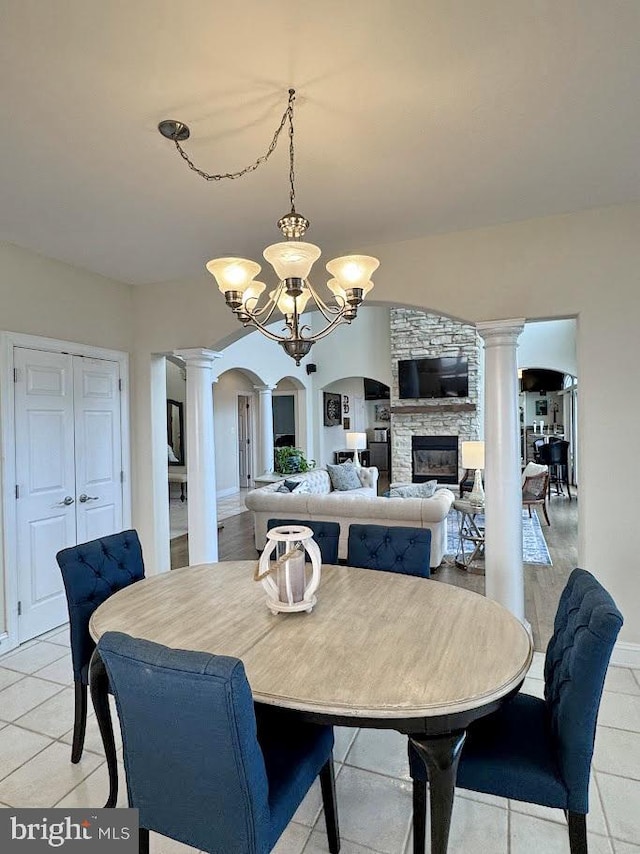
(415, 334)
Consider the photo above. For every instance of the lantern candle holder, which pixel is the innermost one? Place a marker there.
(286, 579)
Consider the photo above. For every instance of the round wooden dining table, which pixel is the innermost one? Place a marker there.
(379, 649)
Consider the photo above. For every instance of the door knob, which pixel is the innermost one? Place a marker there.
(84, 498)
(65, 501)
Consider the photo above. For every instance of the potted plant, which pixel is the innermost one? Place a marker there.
(290, 460)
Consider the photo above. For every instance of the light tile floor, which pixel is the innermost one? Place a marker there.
(373, 786)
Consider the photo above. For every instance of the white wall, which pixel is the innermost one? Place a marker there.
(225, 420)
(551, 345)
(42, 297)
(333, 439)
(582, 265)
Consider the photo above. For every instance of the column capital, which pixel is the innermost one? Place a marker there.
(500, 332)
(263, 389)
(198, 357)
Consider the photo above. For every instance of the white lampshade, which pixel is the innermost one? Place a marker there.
(473, 455)
(353, 271)
(336, 288)
(252, 294)
(286, 302)
(356, 441)
(292, 259)
(233, 274)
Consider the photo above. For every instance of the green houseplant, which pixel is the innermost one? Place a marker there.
(290, 460)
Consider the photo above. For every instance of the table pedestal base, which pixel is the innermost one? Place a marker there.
(440, 755)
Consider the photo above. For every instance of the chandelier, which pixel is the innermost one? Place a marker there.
(291, 259)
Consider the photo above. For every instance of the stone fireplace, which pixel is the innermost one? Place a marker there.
(416, 334)
(434, 458)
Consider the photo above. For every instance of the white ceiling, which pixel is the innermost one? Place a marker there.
(414, 116)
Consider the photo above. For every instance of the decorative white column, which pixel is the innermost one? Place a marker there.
(504, 580)
(265, 408)
(201, 458)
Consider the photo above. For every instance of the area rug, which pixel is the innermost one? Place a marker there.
(534, 546)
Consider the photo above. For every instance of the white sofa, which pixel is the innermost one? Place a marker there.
(359, 506)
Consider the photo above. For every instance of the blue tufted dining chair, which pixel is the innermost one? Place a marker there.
(91, 573)
(201, 766)
(394, 549)
(326, 535)
(535, 750)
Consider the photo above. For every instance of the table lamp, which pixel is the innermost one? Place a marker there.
(356, 442)
(473, 458)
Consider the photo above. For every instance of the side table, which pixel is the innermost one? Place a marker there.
(471, 536)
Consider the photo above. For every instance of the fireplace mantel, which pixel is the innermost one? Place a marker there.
(435, 407)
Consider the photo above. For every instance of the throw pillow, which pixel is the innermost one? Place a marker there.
(300, 487)
(344, 477)
(414, 490)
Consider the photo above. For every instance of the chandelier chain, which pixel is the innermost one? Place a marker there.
(288, 114)
(292, 175)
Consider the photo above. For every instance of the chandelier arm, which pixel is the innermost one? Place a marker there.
(288, 114)
(268, 307)
(326, 310)
(327, 330)
(266, 332)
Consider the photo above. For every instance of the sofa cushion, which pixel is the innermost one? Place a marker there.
(344, 477)
(414, 490)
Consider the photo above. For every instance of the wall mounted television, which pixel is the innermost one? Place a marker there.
(437, 377)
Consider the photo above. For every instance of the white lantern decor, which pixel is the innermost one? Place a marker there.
(286, 578)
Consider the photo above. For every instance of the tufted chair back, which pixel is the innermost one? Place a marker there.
(326, 535)
(586, 627)
(394, 549)
(91, 573)
(194, 767)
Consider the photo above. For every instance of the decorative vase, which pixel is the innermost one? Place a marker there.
(285, 578)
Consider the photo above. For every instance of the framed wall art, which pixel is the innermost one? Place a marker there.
(346, 423)
(332, 409)
(382, 412)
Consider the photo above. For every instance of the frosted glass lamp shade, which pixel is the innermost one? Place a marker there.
(356, 441)
(252, 294)
(353, 271)
(233, 274)
(286, 302)
(292, 259)
(336, 288)
(473, 455)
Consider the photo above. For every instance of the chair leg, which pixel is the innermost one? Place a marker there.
(80, 721)
(328, 787)
(546, 515)
(577, 832)
(143, 840)
(419, 816)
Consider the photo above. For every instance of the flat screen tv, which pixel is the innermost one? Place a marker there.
(442, 376)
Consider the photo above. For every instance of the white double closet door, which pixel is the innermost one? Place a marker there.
(68, 471)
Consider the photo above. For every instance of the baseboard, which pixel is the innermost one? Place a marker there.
(626, 655)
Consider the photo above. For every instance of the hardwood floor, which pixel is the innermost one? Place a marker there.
(543, 584)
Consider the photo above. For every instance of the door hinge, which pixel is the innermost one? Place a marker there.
(121, 477)
(119, 385)
(19, 609)
(17, 490)
(15, 375)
